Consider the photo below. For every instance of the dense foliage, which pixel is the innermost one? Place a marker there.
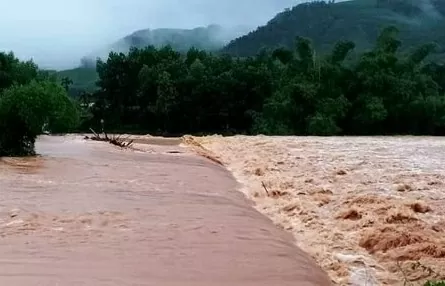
(326, 22)
(210, 38)
(160, 90)
(30, 99)
(288, 91)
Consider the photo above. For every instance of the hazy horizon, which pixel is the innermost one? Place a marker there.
(57, 34)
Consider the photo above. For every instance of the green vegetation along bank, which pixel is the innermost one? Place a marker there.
(29, 100)
(287, 91)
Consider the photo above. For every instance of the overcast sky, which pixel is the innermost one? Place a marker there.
(57, 33)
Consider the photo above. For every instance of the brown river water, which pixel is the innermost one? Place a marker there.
(87, 213)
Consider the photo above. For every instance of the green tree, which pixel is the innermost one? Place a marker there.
(66, 83)
(14, 71)
(24, 109)
(30, 98)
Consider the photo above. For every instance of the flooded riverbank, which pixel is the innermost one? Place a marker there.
(370, 210)
(87, 213)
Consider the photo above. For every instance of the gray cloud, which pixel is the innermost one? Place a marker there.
(56, 34)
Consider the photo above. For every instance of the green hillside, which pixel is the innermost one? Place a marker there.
(359, 21)
(83, 79)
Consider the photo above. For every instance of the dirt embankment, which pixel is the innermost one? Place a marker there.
(369, 210)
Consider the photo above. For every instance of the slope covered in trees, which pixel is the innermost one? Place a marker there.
(285, 92)
(360, 21)
(81, 79)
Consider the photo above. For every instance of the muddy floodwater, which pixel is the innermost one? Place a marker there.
(369, 210)
(86, 213)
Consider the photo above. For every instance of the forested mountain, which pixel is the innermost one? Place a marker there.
(81, 79)
(360, 21)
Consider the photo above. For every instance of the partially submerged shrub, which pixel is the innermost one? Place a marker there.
(24, 109)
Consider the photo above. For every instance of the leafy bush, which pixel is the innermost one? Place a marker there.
(24, 109)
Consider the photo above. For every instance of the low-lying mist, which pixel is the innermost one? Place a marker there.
(56, 34)
(210, 38)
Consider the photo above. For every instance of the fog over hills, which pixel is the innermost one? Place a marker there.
(56, 34)
(210, 38)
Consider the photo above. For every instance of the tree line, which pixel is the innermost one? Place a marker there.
(284, 92)
(279, 92)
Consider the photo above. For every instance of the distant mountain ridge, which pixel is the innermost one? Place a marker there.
(360, 21)
(210, 38)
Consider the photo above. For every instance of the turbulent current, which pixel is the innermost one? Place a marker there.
(86, 213)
